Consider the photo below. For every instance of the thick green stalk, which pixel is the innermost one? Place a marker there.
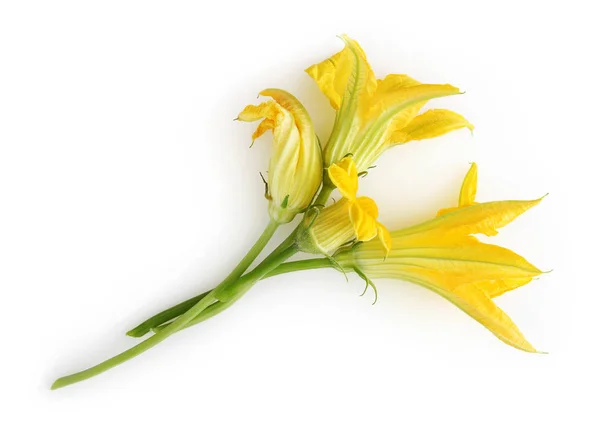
(159, 320)
(231, 286)
(237, 272)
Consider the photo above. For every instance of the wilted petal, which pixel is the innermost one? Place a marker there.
(265, 125)
(266, 110)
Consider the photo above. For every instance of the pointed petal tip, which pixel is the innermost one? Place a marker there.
(265, 92)
(470, 127)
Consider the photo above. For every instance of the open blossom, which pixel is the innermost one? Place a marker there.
(373, 115)
(295, 168)
(351, 218)
(443, 255)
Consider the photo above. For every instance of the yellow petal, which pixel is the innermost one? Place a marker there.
(390, 103)
(293, 106)
(451, 278)
(444, 211)
(468, 191)
(497, 287)
(385, 238)
(389, 89)
(350, 93)
(479, 306)
(333, 75)
(345, 177)
(264, 126)
(453, 266)
(269, 110)
(470, 297)
(482, 218)
(369, 206)
(365, 226)
(433, 123)
(393, 82)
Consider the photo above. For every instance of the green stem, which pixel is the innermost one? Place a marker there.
(159, 320)
(231, 287)
(140, 348)
(254, 251)
(325, 192)
(302, 265)
(251, 279)
(237, 272)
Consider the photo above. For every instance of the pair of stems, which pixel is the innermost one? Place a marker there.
(208, 304)
(160, 320)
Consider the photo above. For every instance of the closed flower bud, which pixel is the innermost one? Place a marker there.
(296, 167)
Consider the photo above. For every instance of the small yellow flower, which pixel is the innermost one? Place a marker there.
(373, 114)
(351, 218)
(296, 167)
(443, 255)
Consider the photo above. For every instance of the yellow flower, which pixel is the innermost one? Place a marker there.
(296, 167)
(351, 218)
(443, 255)
(373, 114)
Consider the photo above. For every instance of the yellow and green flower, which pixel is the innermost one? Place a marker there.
(444, 256)
(296, 167)
(374, 114)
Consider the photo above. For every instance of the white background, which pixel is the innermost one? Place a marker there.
(126, 187)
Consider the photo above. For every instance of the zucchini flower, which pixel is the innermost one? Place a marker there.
(373, 115)
(350, 219)
(296, 167)
(443, 255)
